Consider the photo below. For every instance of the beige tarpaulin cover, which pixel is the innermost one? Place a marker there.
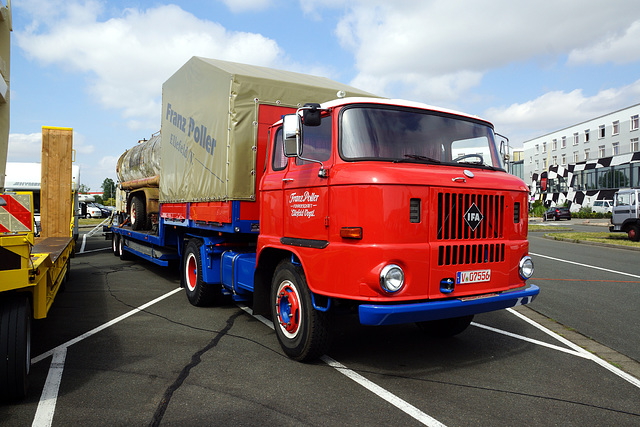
(209, 125)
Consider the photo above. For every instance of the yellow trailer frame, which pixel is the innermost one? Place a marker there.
(39, 268)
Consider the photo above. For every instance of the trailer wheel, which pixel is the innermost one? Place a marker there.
(445, 328)
(303, 332)
(15, 347)
(199, 293)
(124, 255)
(137, 213)
(634, 233)
(115, 244)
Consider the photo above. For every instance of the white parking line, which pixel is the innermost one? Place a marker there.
(586, 265)
(584, 353)
(102, 327)
(386, 395)
(49, 397)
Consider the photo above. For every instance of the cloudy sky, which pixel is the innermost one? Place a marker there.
(529, 67)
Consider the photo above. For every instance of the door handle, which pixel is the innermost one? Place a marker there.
(287, 179)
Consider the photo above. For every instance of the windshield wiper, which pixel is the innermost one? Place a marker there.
(419, 158)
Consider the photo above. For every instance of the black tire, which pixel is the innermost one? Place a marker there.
(115, 243)
(15, 347)
(199, 293)
(137, 213)
(445, 328)
(87, 215)
(634, 233)
(124, 255)
(303, 332)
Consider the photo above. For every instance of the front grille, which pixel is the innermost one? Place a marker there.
(452, 208)
(470, 254)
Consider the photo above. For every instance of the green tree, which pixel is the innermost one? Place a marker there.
(108, 189)
(83, 189)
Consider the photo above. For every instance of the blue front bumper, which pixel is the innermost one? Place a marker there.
(379, 314)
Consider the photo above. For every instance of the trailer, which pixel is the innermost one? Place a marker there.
(306, 198)
(34, 269)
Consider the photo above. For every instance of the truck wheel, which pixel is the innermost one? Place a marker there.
(303, 332)
(137, 213)
(634, 233)
(115, 243)
(199, 293)
(444, 328)
(15, 347)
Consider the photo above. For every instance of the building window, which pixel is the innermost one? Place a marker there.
(634, 145)
(575, 157)
(544, 147)
(537, 165)
(531, 159)
(555, 160)
(635, 122)
(554, 145)
(601, 151)
(601, 131)
(563, 144)
(537, 148)
(544, 163)
(616, 128)
(586, 135)
(575, 138)
(564, 159)
(615, 148)
(586, 154)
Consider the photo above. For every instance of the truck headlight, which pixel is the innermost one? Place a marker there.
(391, 278)
(526, 267)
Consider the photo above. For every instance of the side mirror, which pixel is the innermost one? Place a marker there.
(291, 135)
(312, 114)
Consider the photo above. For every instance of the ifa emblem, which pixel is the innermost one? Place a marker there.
(473, 217)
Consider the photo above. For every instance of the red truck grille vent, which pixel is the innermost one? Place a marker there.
(452, 208)
(470, 254)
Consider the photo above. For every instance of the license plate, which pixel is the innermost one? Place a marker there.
(476, 276)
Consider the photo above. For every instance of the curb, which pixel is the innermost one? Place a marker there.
(550, 236)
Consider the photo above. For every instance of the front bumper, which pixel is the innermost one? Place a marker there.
(378, 314)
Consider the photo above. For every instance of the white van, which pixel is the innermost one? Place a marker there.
(602, 206)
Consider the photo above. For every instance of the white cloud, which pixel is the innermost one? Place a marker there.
(239, 6)
(129, 57)
(28, 147)
(619, 48)
(557, 110)
(443, 47)
(24, 147)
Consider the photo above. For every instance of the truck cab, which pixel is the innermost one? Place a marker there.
(390, 205)
(624, 216)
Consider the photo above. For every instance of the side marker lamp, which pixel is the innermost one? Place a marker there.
(351, 233)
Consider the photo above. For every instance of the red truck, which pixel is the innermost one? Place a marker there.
(302, 197)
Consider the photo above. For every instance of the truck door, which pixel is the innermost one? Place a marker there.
(305, 193)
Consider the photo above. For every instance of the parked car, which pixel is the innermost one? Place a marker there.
(556, 213)
(602, 206)
(105, 210)
(90, 210)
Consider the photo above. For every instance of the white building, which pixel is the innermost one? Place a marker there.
(587, 161)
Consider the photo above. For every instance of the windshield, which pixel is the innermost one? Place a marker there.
(410, 135)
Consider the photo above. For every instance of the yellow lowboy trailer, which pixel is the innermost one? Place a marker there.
(32, 270)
